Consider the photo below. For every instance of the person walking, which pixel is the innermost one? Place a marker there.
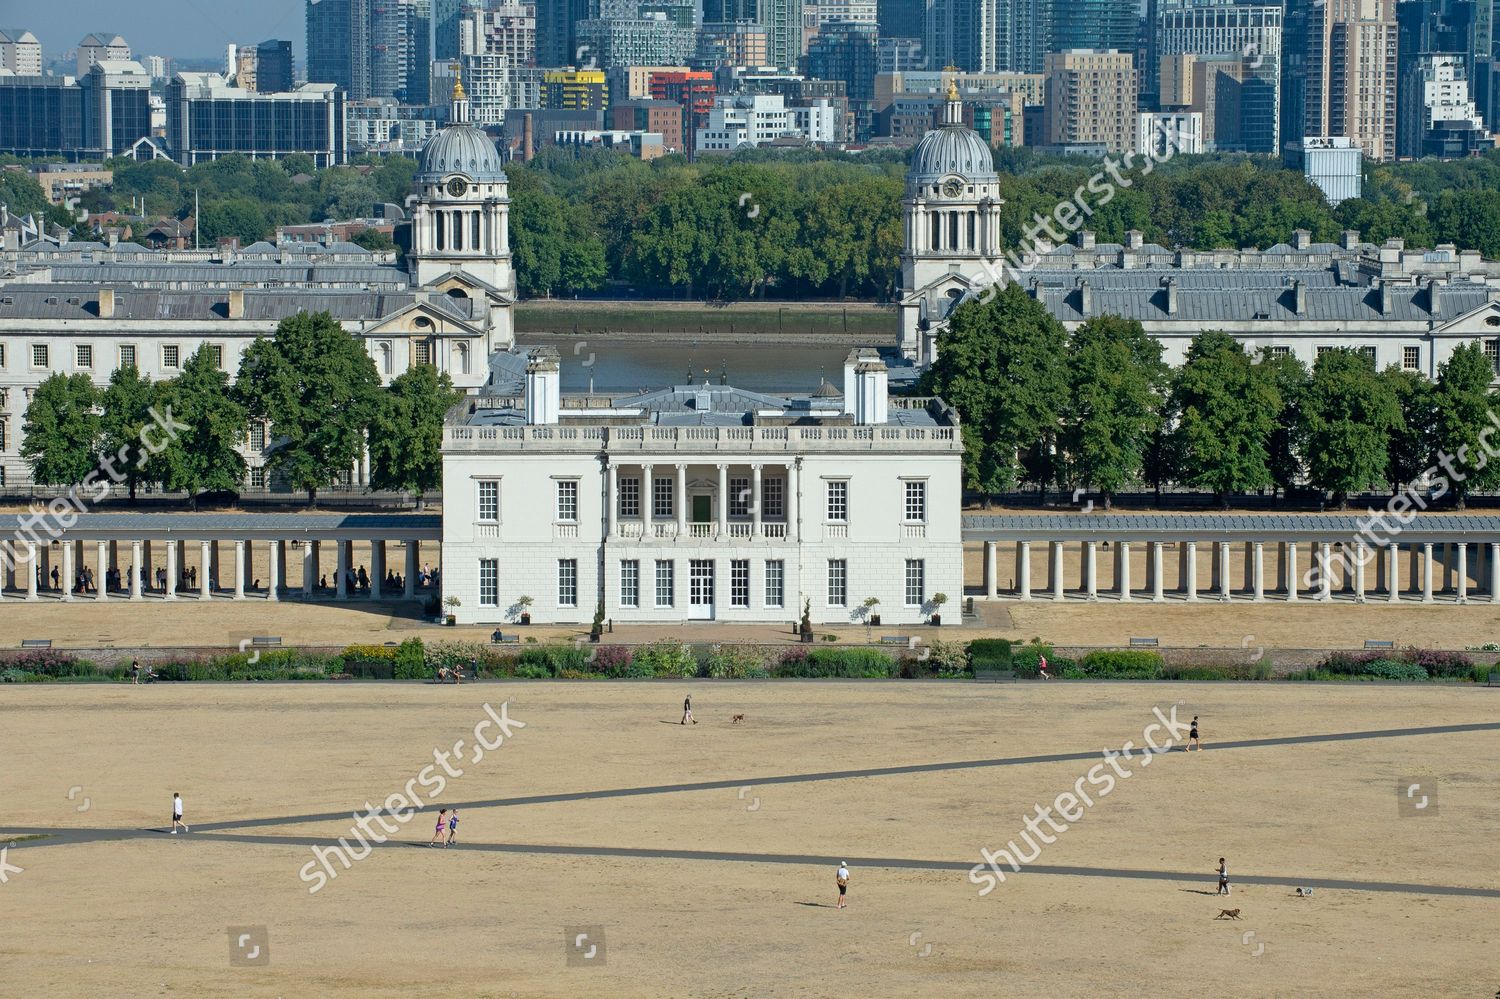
(135, 671)
(1223, 877)
(843, 882)
(687, 711)
(440, 832)
(452, 829)
(1193, 738)
(177, 814)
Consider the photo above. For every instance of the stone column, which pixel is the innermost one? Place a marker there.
(1122, 567)
(1090, 569)
(612, 500)
(135, 570)
(240, 563)
(1292, 583)
(1190, 569)
(101, 555)
(1258, 571)
(648, 502)
(682, 501)
(273, 582)
(309, 567)
(1055, 571)
(67, 570)
(1393, 573)
(1023, 577)
(723, 511)
(991, 570)
(413, 549)
(377, 568)
(1158, 593)
(341, 590)
(1223, 555)
(171, 593)
(755, 514)
(794, 489)
(1427, 572)
(1463, 572)
(33, 569)
(205, 591)
(1494, 574)
(1359, 571)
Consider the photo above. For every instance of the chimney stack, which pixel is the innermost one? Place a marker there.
(1299, 297)
(852, 362)
(528, 148)
(237, 304)
(1171, 286)
(106, 303)
(1085, 239)
(1134, 240)
(1351, 239)
(1385, 298)
(872, 391)
(1301, 239)
(1434, 296)
(543, 387)
(1085, 298)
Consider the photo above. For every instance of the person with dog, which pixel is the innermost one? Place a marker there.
(842, 878)
(1223, 877)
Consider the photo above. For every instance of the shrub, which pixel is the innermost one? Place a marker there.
(667, 659)
(50, 663)
(1122, 664)
(612, 660)
(1446, 665)
(849, 663)
(950, 660)
(733, 662)
(409, 662)
(13, 675)
(990, 653)
(532, 671)
(573, 674)
(1395, 669)
(1025, 659)
(553, 660)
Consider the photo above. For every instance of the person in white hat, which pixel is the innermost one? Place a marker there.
(843, 880)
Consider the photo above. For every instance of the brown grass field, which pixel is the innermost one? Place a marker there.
(110, 904)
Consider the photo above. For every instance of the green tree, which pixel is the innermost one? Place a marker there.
(1351, 413)
(241, 218)
(318, 387)
(1461, 411)
(126, 403)
(406, 434)
(1412, 446)
(61, 430)
(1289, 440)
(1228, 407)
(374, 240)
(1115, 379)
(204, 454)
(1000, 363)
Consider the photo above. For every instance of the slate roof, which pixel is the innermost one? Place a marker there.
(1211, 527)
(202, 526)
(80, 302)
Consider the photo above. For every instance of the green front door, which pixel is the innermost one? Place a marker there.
(703, 509)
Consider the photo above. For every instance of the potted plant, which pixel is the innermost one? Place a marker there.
(872, 619)
(806, 627)
(451, 603)
(938, 599)
(523, 603)
(598, 628)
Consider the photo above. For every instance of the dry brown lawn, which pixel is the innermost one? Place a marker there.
(146, 913)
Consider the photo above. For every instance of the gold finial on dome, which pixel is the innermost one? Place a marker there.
(953, 89)
(458, 89)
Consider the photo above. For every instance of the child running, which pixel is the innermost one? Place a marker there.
(452, 829)
(440, 832)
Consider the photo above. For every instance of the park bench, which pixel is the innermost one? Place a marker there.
(996, 675)
(266, 641)
(895, 640)
(501, 638)
(36, 643)
(1379, 643)
(1494, 680)
(1144, 643)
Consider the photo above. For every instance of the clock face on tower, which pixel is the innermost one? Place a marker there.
(458, 187)
(952, 188)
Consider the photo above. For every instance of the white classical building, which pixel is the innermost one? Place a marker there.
(92, 308)
(701, 502)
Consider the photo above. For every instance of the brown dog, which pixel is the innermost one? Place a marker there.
(735, 720)
(1228, 914)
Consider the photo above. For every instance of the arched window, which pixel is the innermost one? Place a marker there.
(438, 218)
(474, 242)
(461, 358)
(385, 358)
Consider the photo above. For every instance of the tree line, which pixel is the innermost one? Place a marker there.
(1098, 409)
(312, 384)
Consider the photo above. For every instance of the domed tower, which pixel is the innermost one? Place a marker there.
(952, 235)
(460, 211)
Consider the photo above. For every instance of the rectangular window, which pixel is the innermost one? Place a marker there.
(567, 500)
(1368, 353)
(630, 498)
(630, 583)
(1411, 358)
(2, 435)
(1492, 351)
(661, 492)
(489, 582)
(567, 582)
(1281, 352)
(739, 582)
(838, 500)
(916, 502)
(775, 582)
(83, 355)
(739, 497)
(2, 355)
(258, 477)
(422, 350)
(773, 499)
(216, 354)
(838, 582)
(1324, 350)
(127, 355)
(916, 582)
(257, 436)
(664, 576)
(489, 500)
(169, 355)
(39, 356)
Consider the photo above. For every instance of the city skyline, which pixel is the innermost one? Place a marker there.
(175, 28)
